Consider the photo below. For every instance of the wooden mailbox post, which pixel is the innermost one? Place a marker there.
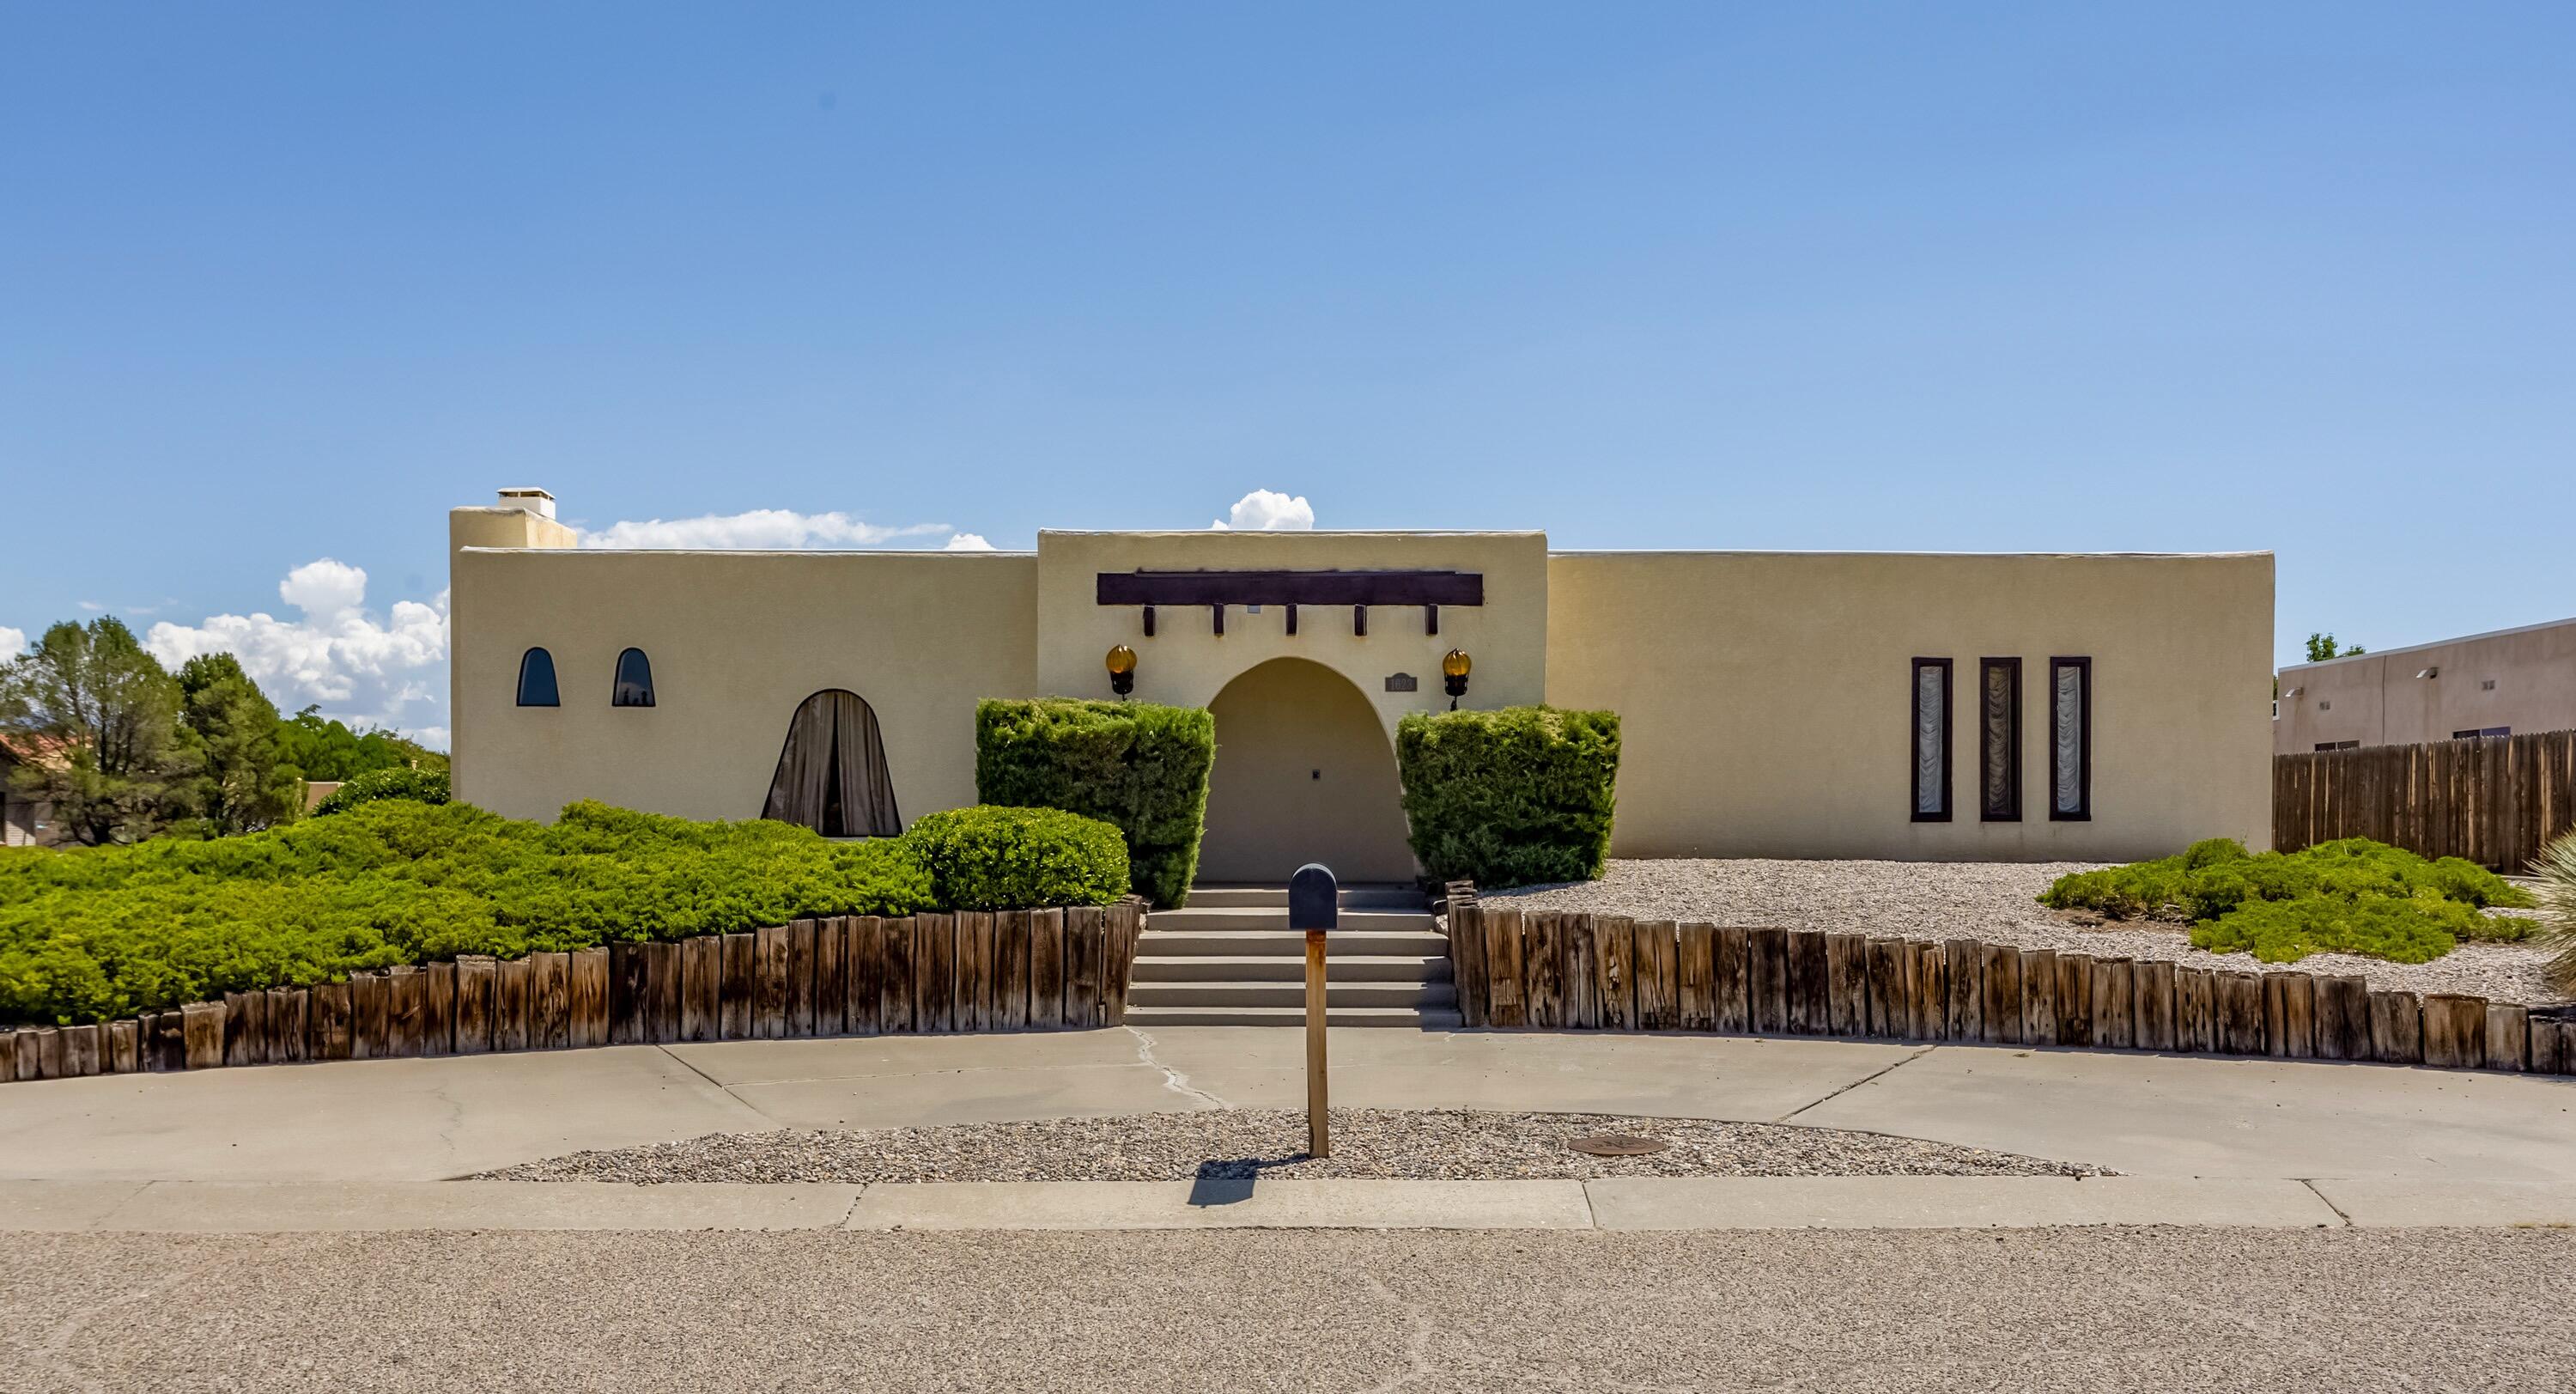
(1314, 905)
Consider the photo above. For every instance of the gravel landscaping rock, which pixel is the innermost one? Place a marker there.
(1243, 1144)
(1993, 901)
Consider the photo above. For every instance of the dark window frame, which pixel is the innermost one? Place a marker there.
(617, 689)
(1949, 734)
(1985, 767)
(554, 688)
(2083, 813)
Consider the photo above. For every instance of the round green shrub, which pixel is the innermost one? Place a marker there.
(419, 786)
(2411, 930)
(991, 857)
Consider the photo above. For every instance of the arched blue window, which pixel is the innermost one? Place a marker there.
(634, 680)
(537, 679)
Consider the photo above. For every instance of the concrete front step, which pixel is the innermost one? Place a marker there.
(1290, 944)
(1276, 898)
(1153, 966)
(1417, 1018)
(1253, 917)
(1202, 993)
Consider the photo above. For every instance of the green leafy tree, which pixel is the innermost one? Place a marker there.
(326, 749)
(2322, 647)
(242, 784)
(97, 719)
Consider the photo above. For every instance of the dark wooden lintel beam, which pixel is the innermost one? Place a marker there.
(1291, 588)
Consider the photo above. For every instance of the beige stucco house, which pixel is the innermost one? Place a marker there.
(2504, 683)
(1915, 707)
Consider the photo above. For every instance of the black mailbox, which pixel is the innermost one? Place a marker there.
(1314, 898)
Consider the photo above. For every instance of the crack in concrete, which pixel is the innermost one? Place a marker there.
(1855, 1084)
(2329, 1200)
(1173, 1079)
(1417, 1353)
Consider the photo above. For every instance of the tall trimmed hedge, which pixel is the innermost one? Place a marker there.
(1512, 797)
(1136, 765)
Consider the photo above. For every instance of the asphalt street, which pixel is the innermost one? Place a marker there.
(2078, 1309)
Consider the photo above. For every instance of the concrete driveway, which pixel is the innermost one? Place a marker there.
(2146, 1115)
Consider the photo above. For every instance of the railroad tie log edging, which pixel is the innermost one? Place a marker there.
(863, 975)
(1555, 970)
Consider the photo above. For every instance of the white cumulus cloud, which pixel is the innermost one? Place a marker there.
(1263, 511)
(13, 642)
(759, 530)
(362, 667)
(968, 542)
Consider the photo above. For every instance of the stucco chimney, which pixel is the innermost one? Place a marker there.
(532, 500)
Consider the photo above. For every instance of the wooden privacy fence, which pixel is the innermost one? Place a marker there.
(2496, 802)
(858, 975)
(1549, 971)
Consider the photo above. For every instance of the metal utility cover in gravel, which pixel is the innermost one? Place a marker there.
(1997, 902)
(1241, 1144)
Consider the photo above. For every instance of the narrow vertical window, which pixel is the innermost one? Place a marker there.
(2070, 739)
(634, 680)
(1931, 740)
(1999, 739)
(537, 679)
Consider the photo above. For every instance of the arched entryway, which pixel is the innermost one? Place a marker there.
(832, 773)
(1303, 774)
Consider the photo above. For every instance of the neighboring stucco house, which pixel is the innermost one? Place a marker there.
(1918, 707)
(24, 822)
(2505, 683)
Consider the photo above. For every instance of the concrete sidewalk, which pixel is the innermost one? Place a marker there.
(2145, 1115)
(1621, 1203)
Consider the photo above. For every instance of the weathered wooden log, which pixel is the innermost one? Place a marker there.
(2240, 1012)
(2396, 1028)
(934, 971)
(1576, 974)
(2115, 1004)
(832, 976)
(407, 1012)
(1810, 984)
(327, 1028)
(2548, 1048)
(1503, 965)
(769, 987)
(474, 983)
(737, 987)
(2002, 982)
(8, 1055)
(2566, 1046)
(895, 1003)
(1846, 985)
(701, 987)
(83, 1051)
(124, 1048)
(438, 1009)
(1466, 953)
(587, 1001)
(165, 1042)
(2152, 1016)
(2290, 1016)
(1731, 977)
(371, 999)
(2195, 1027)
(800, 978)
(1118, 970)
(2455, 1031)
(2074, 999)
(867, 974)
(204, 1024)
(2508, 1037)
(2039, 996)
(630, 996)
(1929, 965)
(662, 991)
(1891, 1011)
(968, 993)
(2343, 1018)
(1767, 980)
(513, 982)
(1084, 947)
(549, 1001)
(1542, 960)
(1046, 972)
(1658, 971)
(1964, 1006)
(1614, 970)
(1010, 971)
(241, 1033)
(40, 1053)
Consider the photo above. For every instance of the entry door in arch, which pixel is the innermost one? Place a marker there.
(832, 774)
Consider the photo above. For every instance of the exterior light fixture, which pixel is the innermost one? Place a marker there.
(1121, 664)
(1454, 666)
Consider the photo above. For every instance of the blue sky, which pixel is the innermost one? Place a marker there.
(283, 283)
